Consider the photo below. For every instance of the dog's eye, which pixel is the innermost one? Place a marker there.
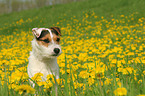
(58, 39)
(46, 40)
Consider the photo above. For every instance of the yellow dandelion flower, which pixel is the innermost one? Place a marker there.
(25, 88)
(47, 85)
(12, 86)
(91, 81)
(143, 61)
(119, 84)
(100, 83)
(135, 78)
(124, 71)
(107, 91)
(133, 48)
(59, 81)
(107, 81)
(114, 61)
(17, 76)
(141, 95)
(120, 69)
(50, 78)
(119, 64)
(40, 83)
(37, 77)
(130, 53)
(129, 69)
(82, 56)
(77, 85)
(140, 81)
(84, 74)
(117, 79)
(141, 48)
(120, 92)
(143, 72)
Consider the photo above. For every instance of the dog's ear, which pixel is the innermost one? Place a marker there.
(56, 30)
(35, 33)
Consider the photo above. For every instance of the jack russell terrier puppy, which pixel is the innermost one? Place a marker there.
(45, 49)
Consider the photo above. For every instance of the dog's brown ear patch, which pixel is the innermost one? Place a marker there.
(43, 33)
(56, 30)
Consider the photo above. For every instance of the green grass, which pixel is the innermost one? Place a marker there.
(53, 14)
(92, 35)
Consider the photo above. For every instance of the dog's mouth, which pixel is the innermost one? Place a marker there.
(55, 54)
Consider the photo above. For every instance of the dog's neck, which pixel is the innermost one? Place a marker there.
(40, 58)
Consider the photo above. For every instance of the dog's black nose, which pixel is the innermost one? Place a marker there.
(56, 50)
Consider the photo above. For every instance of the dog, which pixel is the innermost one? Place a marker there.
(45, 50)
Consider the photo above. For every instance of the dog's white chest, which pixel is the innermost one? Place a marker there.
(46, 67)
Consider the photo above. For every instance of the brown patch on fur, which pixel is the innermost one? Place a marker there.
(55, 38)
(41, 41)
(56, 30)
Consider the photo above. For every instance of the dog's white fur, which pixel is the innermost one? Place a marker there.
(41, 60)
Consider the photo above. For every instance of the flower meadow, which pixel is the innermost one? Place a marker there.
(100, 57)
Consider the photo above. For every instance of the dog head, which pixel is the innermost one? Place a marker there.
(46, 41)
